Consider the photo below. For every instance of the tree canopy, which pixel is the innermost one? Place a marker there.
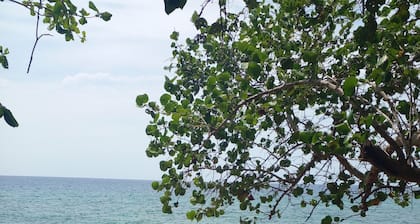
(313, 100)
(63, 17)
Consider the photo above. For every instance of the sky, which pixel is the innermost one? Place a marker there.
(76, 108)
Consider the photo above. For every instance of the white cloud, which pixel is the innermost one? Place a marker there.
(86, 120)
(4, 83)
(99, 78)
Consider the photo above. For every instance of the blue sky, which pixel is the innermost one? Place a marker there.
(76, 108)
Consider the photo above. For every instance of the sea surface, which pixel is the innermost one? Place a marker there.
(79, 200)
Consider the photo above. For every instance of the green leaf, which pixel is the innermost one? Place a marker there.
(93, 7)
(223, 77)
(191, 215)
(84, 12)
(171, 5)
(326, 220)
(243, 205)
(211, 81)
(286, 63)
(9, 118)
(174, 35)
(306, 136)
(106, 16)
(141, 100)
(298, 191)
(355, 208)
(254, 70)
(332, 187)
(155, 185)
(285, 163)
(416, 194)
(251, 4)
(343, 128)
(349, 86)
(60, 29)
(382, 196)
(3, 61)
(403, 107)
(152, 130)
(82, 20)
(200, 22)
(167, 209)
(164, 99)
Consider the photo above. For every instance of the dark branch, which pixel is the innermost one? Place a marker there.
(349, 167)
(37, 36)
(394, 145)
(378, 158)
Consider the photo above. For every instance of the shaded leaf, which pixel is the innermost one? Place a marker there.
(106, 16)
(171, 5)
(416, 194)
(9, 118)
(403, 107)
(326, 220)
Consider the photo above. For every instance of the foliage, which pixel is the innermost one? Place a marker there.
(8, 116)
(309, 99)
(171, 5)
(62, 17)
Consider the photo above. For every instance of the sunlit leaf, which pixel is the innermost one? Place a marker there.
(349, 85)
(141, 100)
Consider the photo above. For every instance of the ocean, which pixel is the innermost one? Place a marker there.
(39, 200)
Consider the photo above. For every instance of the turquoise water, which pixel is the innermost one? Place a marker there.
(77, 200)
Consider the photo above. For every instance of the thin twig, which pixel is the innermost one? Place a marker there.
(37, 36)
(203, 6)
(312, 210)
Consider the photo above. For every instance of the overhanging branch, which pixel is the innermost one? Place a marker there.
(378, 158)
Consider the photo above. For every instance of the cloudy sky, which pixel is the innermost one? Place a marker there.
(76, 107)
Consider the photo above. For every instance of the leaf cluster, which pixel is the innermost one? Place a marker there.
(266, 102)
(64, 17)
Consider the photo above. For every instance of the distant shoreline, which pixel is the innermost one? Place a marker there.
(86, 178)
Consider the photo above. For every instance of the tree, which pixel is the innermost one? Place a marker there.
(285, 99)
(62, 16)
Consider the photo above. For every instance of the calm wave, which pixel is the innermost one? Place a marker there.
(79, 200)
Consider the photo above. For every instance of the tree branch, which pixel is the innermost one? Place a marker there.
(378, 158)
(37, 36)
(350, 168)
(316, 157)
(394, 145)
(396, 124)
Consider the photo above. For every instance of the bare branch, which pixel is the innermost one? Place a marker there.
(396, 121)
(349, 167)
(37, 36)
(316, 157)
